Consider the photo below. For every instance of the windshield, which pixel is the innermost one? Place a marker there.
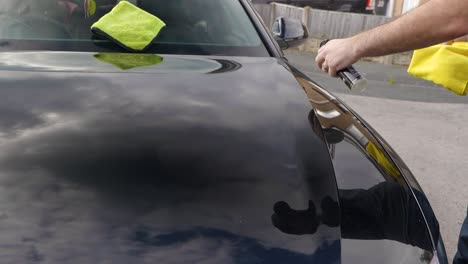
(198, 27)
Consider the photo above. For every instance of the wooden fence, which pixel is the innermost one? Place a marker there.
(323, 24)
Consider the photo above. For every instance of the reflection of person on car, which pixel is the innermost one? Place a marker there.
(386, 211)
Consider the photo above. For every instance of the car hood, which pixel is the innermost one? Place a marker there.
(137, 158)
(167, 159)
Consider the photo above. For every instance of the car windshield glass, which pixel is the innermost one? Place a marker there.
(200, 27)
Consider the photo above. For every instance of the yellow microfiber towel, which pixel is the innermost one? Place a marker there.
(446, 65)
(129, 26)
(126, 61)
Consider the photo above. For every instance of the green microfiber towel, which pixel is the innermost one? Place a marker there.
(126, 61)
(129, 26)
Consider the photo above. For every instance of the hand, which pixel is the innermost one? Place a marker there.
(336, 55)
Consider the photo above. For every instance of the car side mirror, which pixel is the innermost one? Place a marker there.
(289, 32)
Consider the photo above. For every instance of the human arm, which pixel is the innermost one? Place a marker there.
(432, 23)
(460, 39)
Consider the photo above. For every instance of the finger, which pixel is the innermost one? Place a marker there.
(319, 60)
(324, 67)
(320, 63)
(332, 71)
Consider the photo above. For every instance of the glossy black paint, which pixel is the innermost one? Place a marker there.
(131, 168)
(372, 176)
(99, 164)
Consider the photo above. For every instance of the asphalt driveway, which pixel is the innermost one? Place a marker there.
(424, 123)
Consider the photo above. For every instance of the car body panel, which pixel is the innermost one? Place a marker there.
(359, 133)
(103, 164)
(143, 167)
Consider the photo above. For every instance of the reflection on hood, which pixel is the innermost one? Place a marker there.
(123, 170)
(225, 247)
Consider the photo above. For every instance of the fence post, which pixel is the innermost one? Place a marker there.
(305, 15)
(398, 8)
(272, 14)
(387, 59)
(305, 21)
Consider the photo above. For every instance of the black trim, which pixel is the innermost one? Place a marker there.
(99, 45)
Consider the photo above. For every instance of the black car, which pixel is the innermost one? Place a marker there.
(355, 6)
(209, 147)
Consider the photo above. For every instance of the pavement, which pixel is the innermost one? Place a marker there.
(426, 125)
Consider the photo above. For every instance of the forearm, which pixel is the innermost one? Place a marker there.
(446, 19)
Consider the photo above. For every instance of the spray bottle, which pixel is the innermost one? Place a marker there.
(351, 77)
